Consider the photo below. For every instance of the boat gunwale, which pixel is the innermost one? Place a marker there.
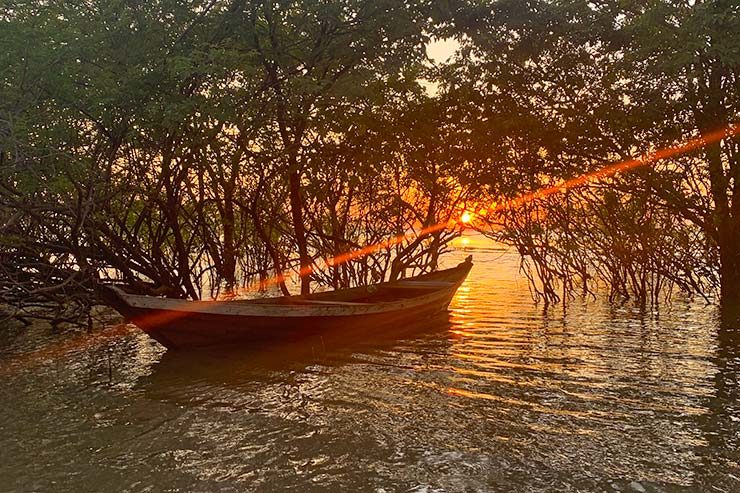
(246, 308)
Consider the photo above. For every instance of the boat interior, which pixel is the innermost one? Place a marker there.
(408, 288)
(412, 287)
(363, 295)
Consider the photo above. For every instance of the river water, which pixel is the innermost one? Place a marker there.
(501, 396)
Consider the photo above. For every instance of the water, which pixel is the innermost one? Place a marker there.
(501, 397)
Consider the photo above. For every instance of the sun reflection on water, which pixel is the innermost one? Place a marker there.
(502, 396)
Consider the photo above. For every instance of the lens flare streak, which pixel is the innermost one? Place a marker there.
(613, 169)
(607, 171)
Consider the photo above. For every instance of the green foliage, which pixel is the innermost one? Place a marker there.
(566, 87)
(186, 147)
(154, 141)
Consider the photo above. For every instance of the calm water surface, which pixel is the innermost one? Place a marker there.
(499, 397)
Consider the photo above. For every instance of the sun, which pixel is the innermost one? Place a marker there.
(466, 217)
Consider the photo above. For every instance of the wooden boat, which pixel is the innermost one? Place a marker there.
(185, 324)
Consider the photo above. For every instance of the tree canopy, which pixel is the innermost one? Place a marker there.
(189, 148)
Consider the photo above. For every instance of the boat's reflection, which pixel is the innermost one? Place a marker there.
(179, 373)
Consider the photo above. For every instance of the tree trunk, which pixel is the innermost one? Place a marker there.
(271, 249)
(729, 269)
(727, 227)
(229, 248)
(710, 118)
(296, 209)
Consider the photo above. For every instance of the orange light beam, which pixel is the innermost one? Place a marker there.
(167, 317)
(56, 350)
(613, 169)
(686, 146)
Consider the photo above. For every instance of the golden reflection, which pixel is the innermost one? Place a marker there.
(486, 361)
(571, 413)
(573, 372)
(562, 430)
(462, 332)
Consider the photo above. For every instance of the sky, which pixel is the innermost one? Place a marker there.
(440, 50)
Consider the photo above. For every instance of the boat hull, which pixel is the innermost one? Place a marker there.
(201, 330)
(179, 324)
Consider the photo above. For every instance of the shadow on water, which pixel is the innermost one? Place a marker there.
(242, 366)
(721, 426)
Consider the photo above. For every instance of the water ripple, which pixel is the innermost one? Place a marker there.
(503, 396)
